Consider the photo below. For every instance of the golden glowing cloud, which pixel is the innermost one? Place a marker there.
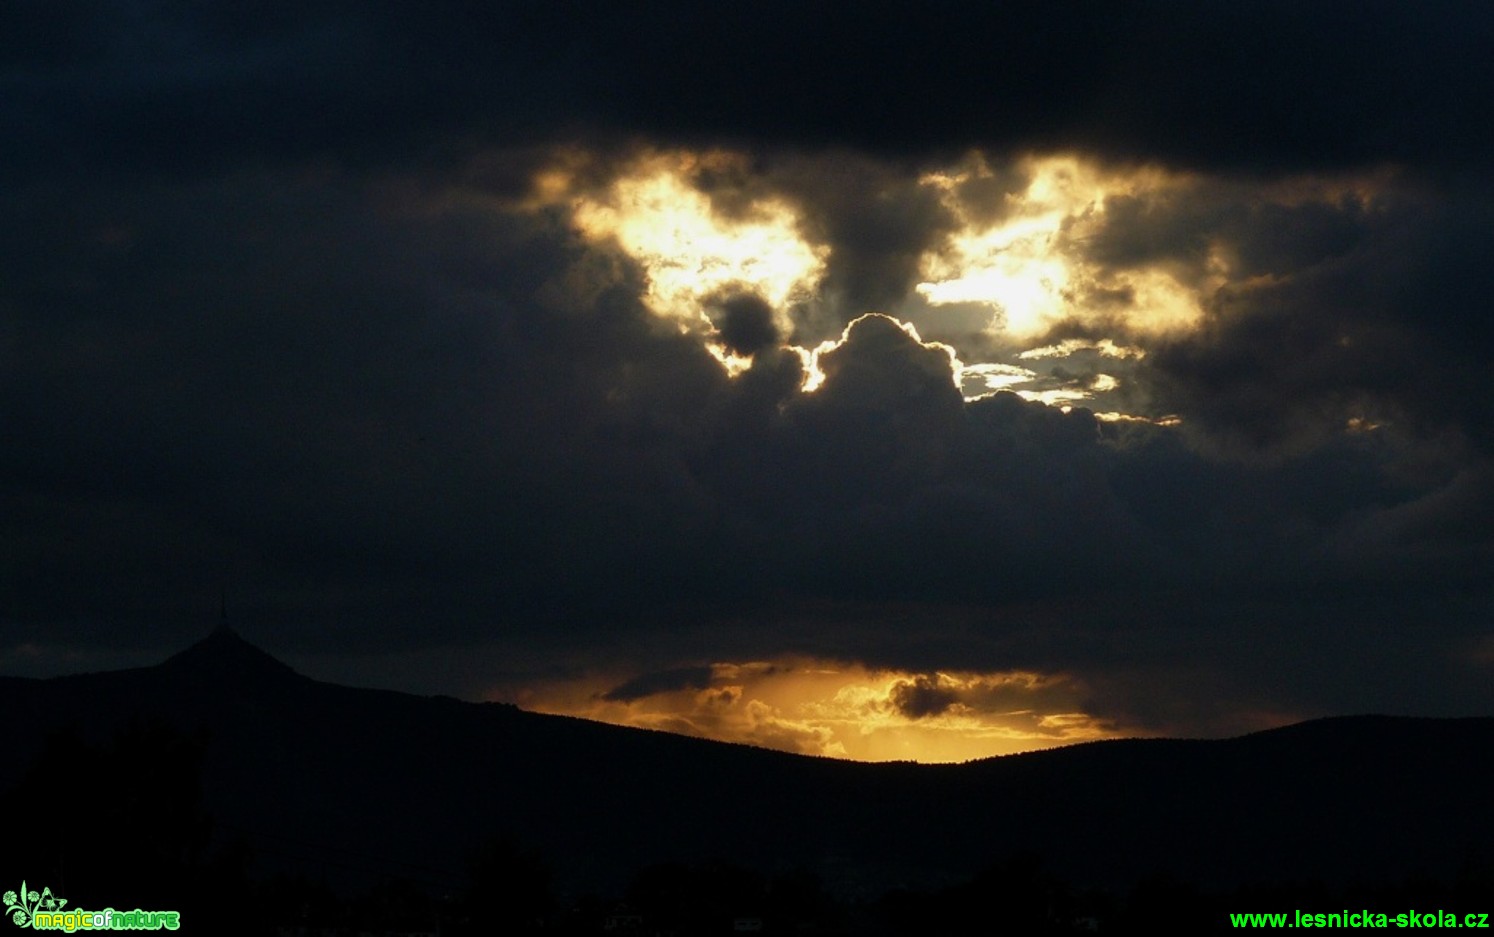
(733, 363)
(690, 253)
(846, 710)
(1062, 397)
(983, 380)
(1112, 416)
(1063, 349)
(1022, 246)
(1025, 263)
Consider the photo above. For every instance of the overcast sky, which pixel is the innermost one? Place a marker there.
(919, 382)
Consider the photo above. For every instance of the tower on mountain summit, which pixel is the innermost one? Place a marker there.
(222, 626)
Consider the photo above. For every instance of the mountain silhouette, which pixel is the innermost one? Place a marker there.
(224, 655)
(356, 783)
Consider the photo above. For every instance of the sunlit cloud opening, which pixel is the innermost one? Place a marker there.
(1112, 416)
(1104, 347)
(840, 710)
(1012, 268)
(810, 357)
(1062, 397)
(1027, 265)
(690, 253)
(1024, 246)
(983, 380)
(733, 363)
(1359, 424)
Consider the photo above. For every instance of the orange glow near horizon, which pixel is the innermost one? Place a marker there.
(843, 710)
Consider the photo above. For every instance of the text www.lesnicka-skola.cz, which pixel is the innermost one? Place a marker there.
(1358, 919)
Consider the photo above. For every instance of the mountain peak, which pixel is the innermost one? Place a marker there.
(224, 654)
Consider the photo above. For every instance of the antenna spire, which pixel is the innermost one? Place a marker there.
(223, 609)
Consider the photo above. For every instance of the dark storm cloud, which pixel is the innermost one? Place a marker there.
(664, 681)
(881, 222)
(385, 414)
(1335, 311)
(1263, 237)
(272, 315)
(1258, 87)
(295, 383)
(745, 323)
(921, 697)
